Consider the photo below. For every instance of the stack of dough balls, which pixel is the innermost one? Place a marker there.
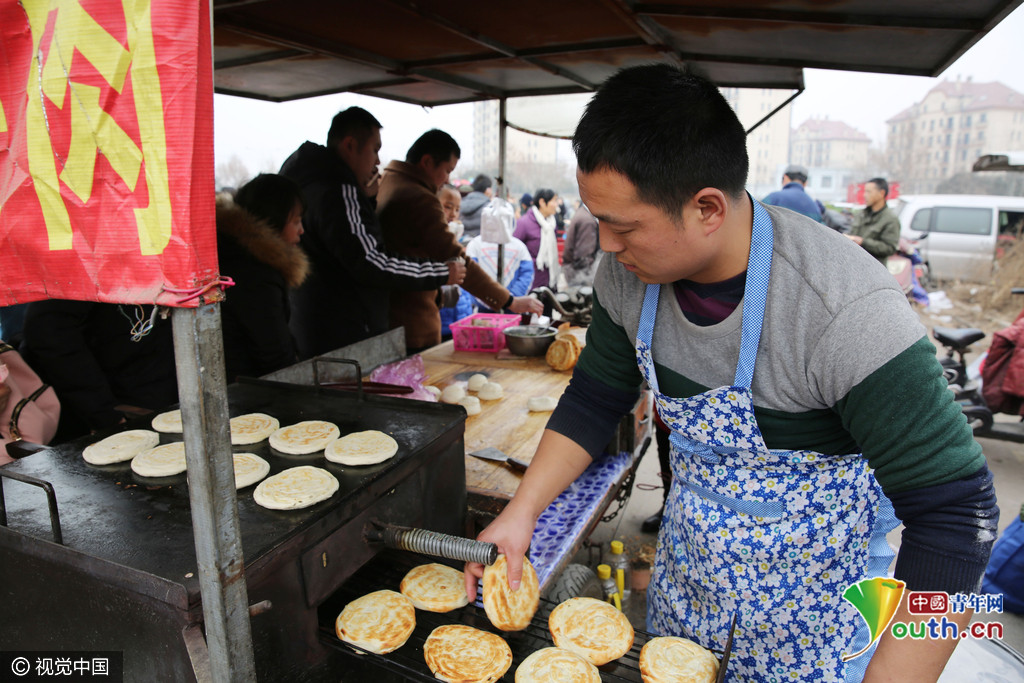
(380, 622)
(592, 629)
(510, 610)
(435, 588)
(485, 391)
(564, 350)
(668, 659)
(555, 665)
(456, 652)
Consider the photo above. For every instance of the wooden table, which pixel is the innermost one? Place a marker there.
(505, 424)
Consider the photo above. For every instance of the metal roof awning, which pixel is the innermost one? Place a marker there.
(435, 52)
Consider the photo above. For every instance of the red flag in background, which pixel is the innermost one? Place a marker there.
(106, 150)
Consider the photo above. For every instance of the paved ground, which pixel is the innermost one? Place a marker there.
(1005, 459)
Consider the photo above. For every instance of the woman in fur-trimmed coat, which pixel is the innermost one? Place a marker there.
(258, 247)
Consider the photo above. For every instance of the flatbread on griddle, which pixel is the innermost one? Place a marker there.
(252, 428)
(163, 461)
(249, 469)
(295, 488)
(668, 659)
(435, 587)
(362, 448)
(456, 652)
(304, 437)
(507, 609)
(556, 665)
(380, 622)
(120, 447)
(168, 423)
(592, 629)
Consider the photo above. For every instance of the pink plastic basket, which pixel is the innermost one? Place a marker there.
(482, 331)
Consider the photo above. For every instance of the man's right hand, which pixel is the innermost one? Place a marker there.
(511, 531)
(456, 272)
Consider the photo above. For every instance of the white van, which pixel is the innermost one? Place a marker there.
(959, 234)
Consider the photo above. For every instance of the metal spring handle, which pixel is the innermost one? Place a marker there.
(439, 545)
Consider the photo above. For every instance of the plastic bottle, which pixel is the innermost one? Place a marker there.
(611, 590)
(622, 571)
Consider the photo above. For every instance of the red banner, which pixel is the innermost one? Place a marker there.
(106, 151)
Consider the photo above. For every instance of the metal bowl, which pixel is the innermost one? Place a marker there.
(529, 340)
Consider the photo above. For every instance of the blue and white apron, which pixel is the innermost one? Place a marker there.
(772, 536)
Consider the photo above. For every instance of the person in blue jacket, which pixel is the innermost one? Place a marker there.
(793, 196)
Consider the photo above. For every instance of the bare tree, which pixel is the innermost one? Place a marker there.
(232, 173)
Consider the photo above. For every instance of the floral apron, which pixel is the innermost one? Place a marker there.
(773, 537)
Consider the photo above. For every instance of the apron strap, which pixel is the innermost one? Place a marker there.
(755, 294)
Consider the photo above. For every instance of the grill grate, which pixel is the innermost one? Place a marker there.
(386, 572)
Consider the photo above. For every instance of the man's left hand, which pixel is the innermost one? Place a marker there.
(526, 304)
(856, 239)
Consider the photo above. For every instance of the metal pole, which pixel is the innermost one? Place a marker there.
(502, 130)
(199, 354)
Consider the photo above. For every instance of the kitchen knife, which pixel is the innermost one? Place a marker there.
(491, 453)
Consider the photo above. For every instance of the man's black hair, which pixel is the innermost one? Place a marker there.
(670, 133)
(881, 184)
(438, 144)
(271, 198)
(482, 182)
(354, 121)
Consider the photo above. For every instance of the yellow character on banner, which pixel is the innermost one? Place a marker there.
(92, 129)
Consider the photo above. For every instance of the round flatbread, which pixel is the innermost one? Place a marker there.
(296, 487)
(471, 404)
(541, 404)
(476, 382)
(592, 629)
(304, 437)
(435, 588)
(168, 423)
(491, 391)
(555, 665)
(668, 659)
(362, 448)
(252, 428)
(380, 622)
(162, 461)
(455, 652)
(120, 447)
(507, 609)
(249, 469)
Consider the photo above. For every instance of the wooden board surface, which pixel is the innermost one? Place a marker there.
(505, 424)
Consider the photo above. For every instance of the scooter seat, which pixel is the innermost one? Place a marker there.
(957, 338)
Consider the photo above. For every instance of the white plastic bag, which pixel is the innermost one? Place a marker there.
(497, 222)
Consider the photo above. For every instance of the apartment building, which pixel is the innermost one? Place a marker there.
(955, 123)
(835, 153)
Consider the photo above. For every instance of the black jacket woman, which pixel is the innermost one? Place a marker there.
(258, 247)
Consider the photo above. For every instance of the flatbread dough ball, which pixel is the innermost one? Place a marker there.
(162, 461)
(456, 652)
(541, 404)
(668, 659)
(304, 437)
(252, 428)
(120, 447)
(507, 609)
(476, 382)
(491, 391)
(249, 469)
(592, 629)
(362, 448)
(555, 665)
(168, 423)
(435, 587)
(453, 393)
(433, 390)
(471, 404)
(380, 622)
(295, 488)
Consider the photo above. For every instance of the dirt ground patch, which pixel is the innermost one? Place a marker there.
(989, 307)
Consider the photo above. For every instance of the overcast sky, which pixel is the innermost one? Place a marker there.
(263, 134)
